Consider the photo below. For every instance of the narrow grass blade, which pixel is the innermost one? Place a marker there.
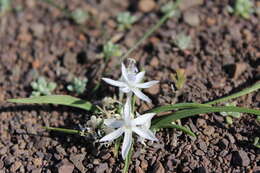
(117, 145)
(245, 91)
(63, 130)
(177, 106)
(179, 127)
(191, 112)
(56, 99)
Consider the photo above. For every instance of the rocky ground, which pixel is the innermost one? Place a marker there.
(37, 39)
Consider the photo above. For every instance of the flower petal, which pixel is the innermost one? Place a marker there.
(124, 72)
(125, 90)
(114, 82)
(127, 142)
(114, 123)
(142, 119)
(145, 133)
(146, 84)
(127, 111)
(141, 95)
(139, 77)
(111, 136)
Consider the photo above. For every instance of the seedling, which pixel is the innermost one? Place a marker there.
(42, 88)
(171, 8)
(110, 49)
(77, 85)
(230, 115)
(179, 78)
(125, 20)
(183, 41)
(242, 8)
(80, 16)
(5, 5)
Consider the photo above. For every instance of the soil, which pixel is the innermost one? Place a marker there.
(37, 39)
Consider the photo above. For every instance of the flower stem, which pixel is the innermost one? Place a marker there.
(149, 32)
(63, 130)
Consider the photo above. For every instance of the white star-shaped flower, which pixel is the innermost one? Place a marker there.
(131, 81)
(128, 125)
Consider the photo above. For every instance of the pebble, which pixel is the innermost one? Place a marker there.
(191, 18)
(159, 168)
(199, 153)
(202, 145)
(223, 144)
(101, 168)
(37, 29)
(186, 4)
(77, 161)
(65, 166)
(15, 166)
(154, 90)
(146, 5)
(209, 131)
(201, 123)
(240, 158)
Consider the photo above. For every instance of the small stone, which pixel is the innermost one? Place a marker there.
(144, 164)
(15, 166)
(201, 170)
(201, 123)
(70, 60)
(37, 162)
(37, 29)
(154, 62)
(138, 170)
(185, 4)
(202, 145)
(38, 170)
(65, 166)
(191, 18)
(199, 153)
(101, 168)
(159, 168)
(106, 156)
(239, 70)
(231, 138)
(240, 158)
(146, 5)
(77, 161)
(209, 131)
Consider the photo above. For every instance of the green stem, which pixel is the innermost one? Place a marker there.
(255, 87)
(128, 159)
(149, 32)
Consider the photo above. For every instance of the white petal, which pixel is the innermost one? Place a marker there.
(146, 84)
(114, 82)
(111, 136)
(127, 111)
(141, 120)
(125, 90)
(114, 123)
(139, 77)
(145, 133)
(124, 72)
(141, 95)
(127, 142)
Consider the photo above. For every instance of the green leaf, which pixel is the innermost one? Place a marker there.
(191, 112)
(253, 88)
(179, 127)
(177, 106)
(63, 130)
(56, 99)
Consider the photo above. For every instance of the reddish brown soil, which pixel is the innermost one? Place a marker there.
(38, 40)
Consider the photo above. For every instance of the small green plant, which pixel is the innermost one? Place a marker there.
(230, 115)
(125, 20)
(256, 142)
(183, 41)
(79, 16)
(242, 8)
(171, 8)
(77, 85)
(179, 78)
(5, 5)
(42, 88)
(110, 49)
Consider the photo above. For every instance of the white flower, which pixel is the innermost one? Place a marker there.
(128, 125)
(131, 82)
